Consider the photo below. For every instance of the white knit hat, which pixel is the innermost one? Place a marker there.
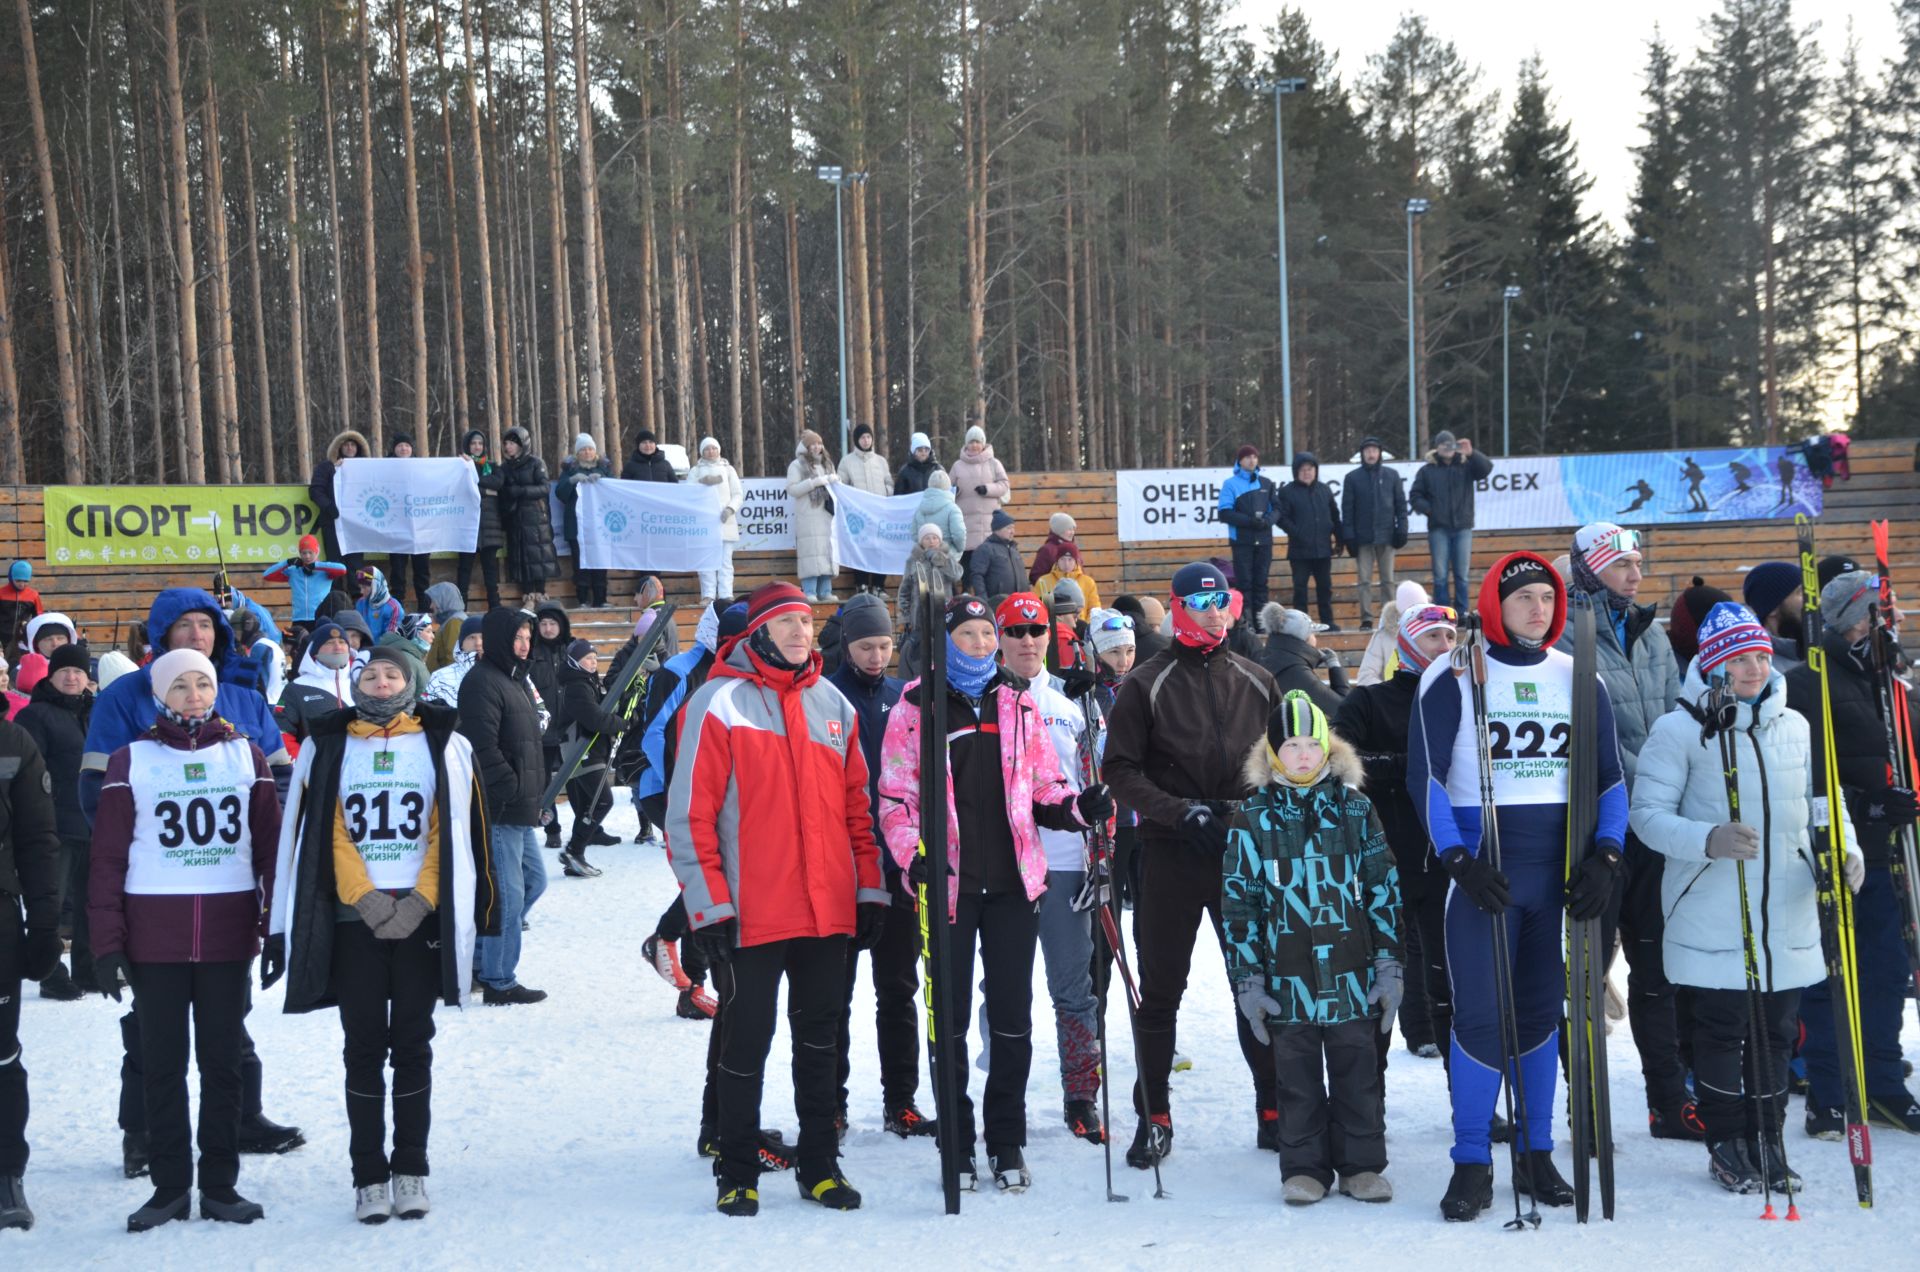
(706, 442)
(583, 441)
(1061, 524)
(919, 442)
(976, 434)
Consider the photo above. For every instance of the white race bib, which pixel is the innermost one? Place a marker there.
(386, 799)
(190, 832)
(1529, 733)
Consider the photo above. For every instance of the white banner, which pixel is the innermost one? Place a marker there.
(407, 506)
(766, 515)
(872, 532)
(650, 525)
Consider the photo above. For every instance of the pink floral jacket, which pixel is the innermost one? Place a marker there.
(1028, 768)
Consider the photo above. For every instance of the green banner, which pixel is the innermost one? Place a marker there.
(174, 526)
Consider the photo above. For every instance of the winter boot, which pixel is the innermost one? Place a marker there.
(1302, 1190)
(133, 1154)
(14, 1210)
(603, 838)
(663, 958)
(1083, 1119)
(1540, 1179)
(1267, 1136)
(1771, 1160)
(830, 1190)
(1679, 1123)
(257, 1133)
(1825, 1124)
(227, 1206)
(775, 1153)
(59, 986)
(553, 836)
(512, 996)
(1499, 1131)
(1152, 1142)
(736, 1200)
(166, 1205)
(575, 866)
(906, 1121)
(1469, 1192)
(1900, 1113)
(1366, 1186)
(372, 1204)
(1009, 1169)
(1730, 1166)
(695, 1004)
(410, 1196)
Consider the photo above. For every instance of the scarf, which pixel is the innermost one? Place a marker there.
(968, 674)
(761, 643)
(383, 710)
(1189, 632)
(1298, 783)
(191, 726)
(1585, 580)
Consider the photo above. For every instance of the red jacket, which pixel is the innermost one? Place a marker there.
(221, 927)
(768, 819)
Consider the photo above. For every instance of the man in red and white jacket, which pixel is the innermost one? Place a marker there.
(771, 836)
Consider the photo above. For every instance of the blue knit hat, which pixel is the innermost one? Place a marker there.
(1728, 630)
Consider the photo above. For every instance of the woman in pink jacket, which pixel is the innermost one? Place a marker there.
(1003, 784)
(979, 485)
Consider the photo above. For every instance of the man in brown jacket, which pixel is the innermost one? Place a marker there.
(1177, 740)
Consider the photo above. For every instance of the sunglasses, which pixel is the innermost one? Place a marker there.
(1117, 623)
(1025, 631)
(1200, 602)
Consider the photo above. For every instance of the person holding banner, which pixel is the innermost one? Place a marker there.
(523, 512)
(586, 466)
(810, 481)
(486, 545)
(399, 564)
(712, 469)
(862, 469)
(346, 445)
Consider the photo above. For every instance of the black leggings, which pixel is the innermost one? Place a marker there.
(590, 799)
(214, 997)
(489, 559)
(387, 991)
(1724, 1076)
(895, 966)
(1006, 927)
(1320, 570)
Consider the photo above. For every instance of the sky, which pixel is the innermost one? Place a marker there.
(1594, 55)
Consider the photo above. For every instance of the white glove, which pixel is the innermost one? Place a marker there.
(833, 479)
(1854, 871)
(1256, 1005)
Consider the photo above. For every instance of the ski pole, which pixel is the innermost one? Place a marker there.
(1099, 893)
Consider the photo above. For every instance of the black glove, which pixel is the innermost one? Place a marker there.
(1894, 806)
(273, 960)
(1593, 883)
(979, 490)
(1095, 804)
(1484, 886)
(870, 920)
(1205, 831)
(39, 953)
(716, 941)
(112, 973)
(916, 873)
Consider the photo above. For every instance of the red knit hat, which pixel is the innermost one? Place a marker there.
(771, 599)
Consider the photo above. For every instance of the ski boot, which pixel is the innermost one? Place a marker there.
(59, 987)
(14, 1210)
(1730, 1166)
(1152, 1142)
(906, 1121)
(1009, 1169)
(664, 958)
(695, 1003)
(1900, 1113)
(832, 1191)
(1682, 1123)
(736, 1200)
(1825, 1124)
(1469, 1192)
(1083, 1119)
(1540, 1179)
(224, 1205)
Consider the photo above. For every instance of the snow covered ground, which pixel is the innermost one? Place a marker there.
(564, 1133)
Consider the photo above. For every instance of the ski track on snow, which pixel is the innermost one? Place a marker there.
(566, 1131)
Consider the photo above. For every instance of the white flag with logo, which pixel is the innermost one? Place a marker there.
(407, 506)
(872, 532)
(670, 528)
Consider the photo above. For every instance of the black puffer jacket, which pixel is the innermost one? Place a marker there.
(1373, 507)
(912, 480)
(546, 660)
(654, 467)
(1291, 662)
(529, 527)
(29, 841)
(58, 724)
(1859, 735)
(1375, 719)
(579, 713)
(492, 535)
(497, 715)
(1443, 489)
(1307, 514)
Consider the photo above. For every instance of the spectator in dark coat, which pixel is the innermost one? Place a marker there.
(1443, 494)
(529, 526)
(586, 465)
(1294, 660)
(492, 537)
(1373, 521)
(346, 445)
(56, 718)
(996, 566)
(647, 462)
(1311, 521)
(920, 465)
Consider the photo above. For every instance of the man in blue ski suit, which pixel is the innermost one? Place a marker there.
(1529, 697)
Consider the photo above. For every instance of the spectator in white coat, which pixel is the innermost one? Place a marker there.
(712, 469)
(810, 481)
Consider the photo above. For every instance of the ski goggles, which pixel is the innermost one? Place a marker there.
(1201, 602)
(1115, 623)
(1607, 549)
(1025, 631)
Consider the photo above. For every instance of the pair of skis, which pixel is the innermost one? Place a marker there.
(1834, 897)
(625, 705)
(1903, 763)
(1586, 953)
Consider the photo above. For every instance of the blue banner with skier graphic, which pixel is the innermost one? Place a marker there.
(1668, 487)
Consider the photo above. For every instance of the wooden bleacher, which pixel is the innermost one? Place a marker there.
(1885, 484)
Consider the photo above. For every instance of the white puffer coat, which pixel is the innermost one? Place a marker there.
(810, 484)
(866, 470)
(1681, 794)
(719, 473)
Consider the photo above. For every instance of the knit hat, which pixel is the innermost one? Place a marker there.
(1410, 595)
(1245, 452)
(860, 430)
(69, 656)
(174, 664)
(32, 670)
(1414, 623)
(1768, 584)
(938, 480)
(399, 440)
(810, 439)
(1200, 576)
(1067, 593)
(964, 609)
(644, 435)
(20, 573)
(1442, 440)
(1020, 610)
(1110, 629)
(701, 451)
(390, 654)
(1845, 600)
(582, 442)
(1689, 608)
(1523, 572)
(1832, 567)
(577, 651)
(976, 434)
(1601, 543)
(771, 599)
(919, 442)
(113, 665)
(733, 621)
(308, 543)
(1288, 622)
(1000, 519)
(863, 616)
(1061, 524)
(1729, 629)
(1297, 716)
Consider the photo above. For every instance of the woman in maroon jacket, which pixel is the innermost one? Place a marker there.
(183, 853)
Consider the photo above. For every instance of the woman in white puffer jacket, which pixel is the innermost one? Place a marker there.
(1680, 810)
(711, 469)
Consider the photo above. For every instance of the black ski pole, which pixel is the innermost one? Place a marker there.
(936, 927)
(1098, 893)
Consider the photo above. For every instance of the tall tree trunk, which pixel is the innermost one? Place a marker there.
(187, 323)
(973, 114)
(344, 382)
(219, 255)
(147, 183)
(676, 203)
(589, 227)
(12, 464)
(752, 458)
(566, 378)
(376, 411)
(73, 441)
(487, 139)
(702, 367)
(1076, 456)
(736, 198)
(485, 238)
(123, 302)
(416, 268)
(458, 278)
(296, 297)
(609, 372)
(797, 354)
(264, 382)
(860, 338)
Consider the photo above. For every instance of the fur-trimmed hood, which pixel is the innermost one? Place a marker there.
(1343, 762)
(341, 439)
